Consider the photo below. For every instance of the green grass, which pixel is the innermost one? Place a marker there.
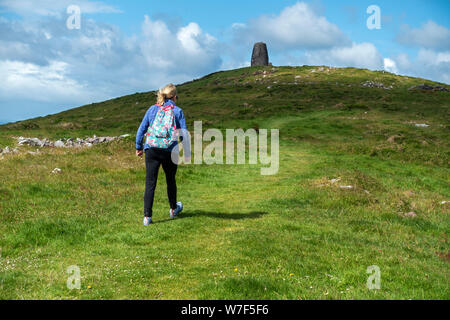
(294, 235)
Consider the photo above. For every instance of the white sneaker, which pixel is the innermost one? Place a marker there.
(147, 221)
(177, 211)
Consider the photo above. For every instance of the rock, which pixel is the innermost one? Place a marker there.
(372, 84)
(392, 139)
(335, 180)
(93, 140)
(47, 143)
(56, 171)
(30, 141)
(422, 125)
(6, 150)
(411, 214)
(260, 55)
(346, 187)
(37, 142)
(429, 88)
(445, 202)
(124, 136)
(59, 144)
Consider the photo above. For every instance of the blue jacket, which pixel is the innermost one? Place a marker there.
(147, 122)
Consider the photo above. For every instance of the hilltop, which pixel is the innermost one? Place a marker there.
(223, 94)
(353, 106)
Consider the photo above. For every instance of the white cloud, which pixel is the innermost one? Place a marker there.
(238, 25)
(187, 51)
(188, 38)
(41, 83)
(430, 57)
(402, 61)
(427, 64)
(433, 65)
(390, 65)
(429, 36)
(14, 48)
(296, 27)
(362, 55)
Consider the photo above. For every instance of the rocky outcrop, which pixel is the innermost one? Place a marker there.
(61, 143)
(372, 84)
(429, 88)
(67, 143)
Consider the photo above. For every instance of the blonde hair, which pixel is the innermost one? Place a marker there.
(168, 92)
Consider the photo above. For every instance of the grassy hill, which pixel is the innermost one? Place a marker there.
(295, 235)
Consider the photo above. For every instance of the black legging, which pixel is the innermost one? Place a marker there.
(154, 157)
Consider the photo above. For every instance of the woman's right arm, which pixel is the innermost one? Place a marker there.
(141, 131)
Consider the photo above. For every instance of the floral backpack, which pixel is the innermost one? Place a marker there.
(162, 132)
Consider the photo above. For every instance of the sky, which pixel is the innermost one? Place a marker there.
(52, 61)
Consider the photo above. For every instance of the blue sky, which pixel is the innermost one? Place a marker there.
(124, 47)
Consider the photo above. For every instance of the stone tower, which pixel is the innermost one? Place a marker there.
(260, 56)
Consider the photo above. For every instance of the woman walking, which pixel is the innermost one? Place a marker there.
(160, 125)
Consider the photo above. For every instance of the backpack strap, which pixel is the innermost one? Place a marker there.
(167, 108)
